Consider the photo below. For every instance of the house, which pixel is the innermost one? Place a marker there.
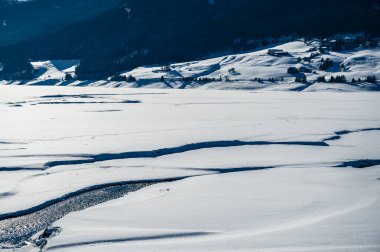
(277, 52)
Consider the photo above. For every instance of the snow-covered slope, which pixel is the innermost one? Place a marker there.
(255, 171)
(53, 71)
(240, 71)
(247, 66)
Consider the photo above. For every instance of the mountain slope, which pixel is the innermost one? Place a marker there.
(253, 70)
(145, 32)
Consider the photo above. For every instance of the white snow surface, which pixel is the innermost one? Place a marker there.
(301, 202)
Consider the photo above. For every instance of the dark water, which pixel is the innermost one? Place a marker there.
(15, 232)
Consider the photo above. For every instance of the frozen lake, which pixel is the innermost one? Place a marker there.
(210, 170)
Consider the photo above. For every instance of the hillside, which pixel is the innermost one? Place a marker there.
(137, 33)
(253, 70)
